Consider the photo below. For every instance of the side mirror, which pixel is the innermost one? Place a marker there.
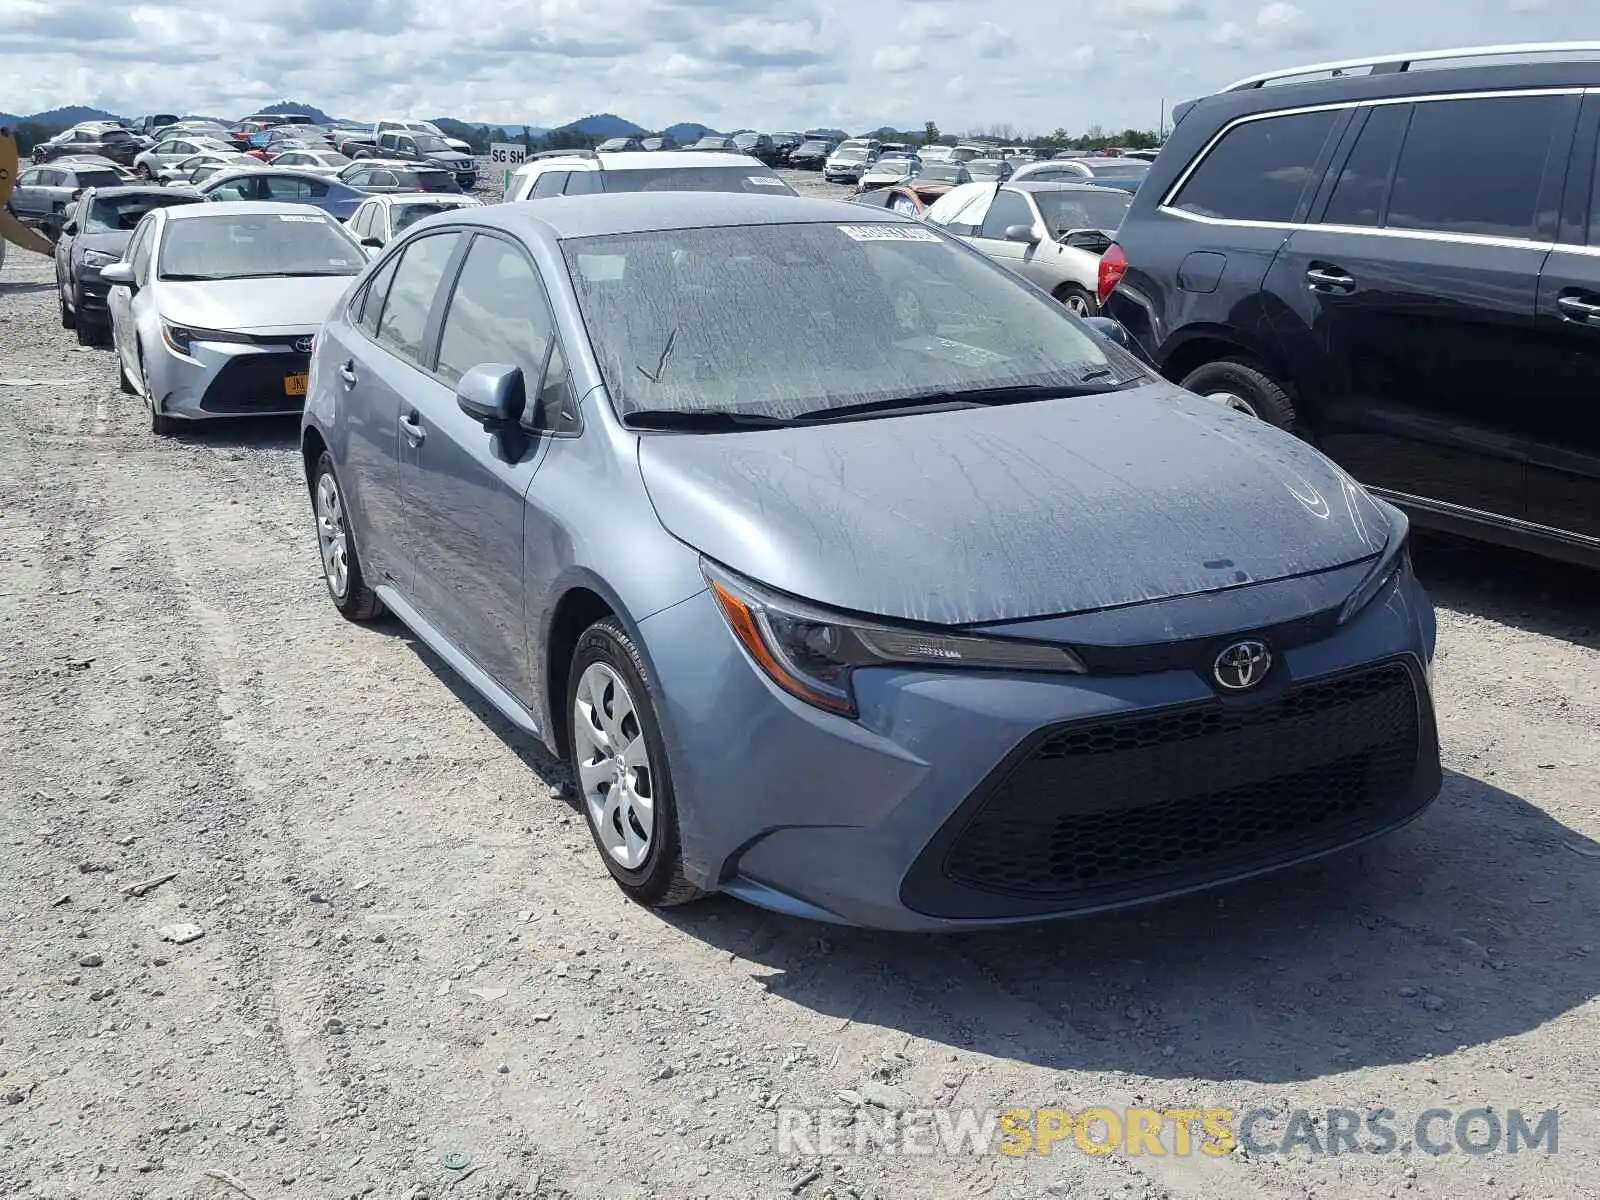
(119, 274)
(1022, 233)
(372, 243)
(70, 229)
(492, 394)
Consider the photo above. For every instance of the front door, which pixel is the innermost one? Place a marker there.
(466, 484)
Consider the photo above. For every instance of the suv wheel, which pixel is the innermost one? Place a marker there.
(619, 764)
(1243, 386)
(66, 313)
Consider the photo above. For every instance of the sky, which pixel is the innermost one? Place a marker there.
(968, 65)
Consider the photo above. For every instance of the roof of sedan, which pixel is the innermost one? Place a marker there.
(639, 212)
(1055, 185)
(140, 189)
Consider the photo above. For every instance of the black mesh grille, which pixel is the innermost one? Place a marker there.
(1196, 791)
(255, 383)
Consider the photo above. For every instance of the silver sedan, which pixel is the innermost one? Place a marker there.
(215, 307)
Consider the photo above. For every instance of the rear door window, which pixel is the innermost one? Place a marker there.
(1258, 170)
(1441, 183)
(1363, 184)
(551, 183)
(404, 322)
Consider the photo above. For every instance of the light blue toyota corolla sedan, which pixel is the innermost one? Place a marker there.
(853, 575)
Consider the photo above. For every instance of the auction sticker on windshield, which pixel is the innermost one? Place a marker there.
(764, 180)
(888, 233)
(299, 217)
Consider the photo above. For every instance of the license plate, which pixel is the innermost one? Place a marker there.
(295, 385)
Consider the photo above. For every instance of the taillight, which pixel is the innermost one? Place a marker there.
(1113, 266)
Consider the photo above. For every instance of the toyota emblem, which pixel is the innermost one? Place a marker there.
(1241, 666)
(304, 345)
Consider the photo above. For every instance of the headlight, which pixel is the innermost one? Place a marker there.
(181, 337)
(99, 258)
(1394, 563)
(811, 652)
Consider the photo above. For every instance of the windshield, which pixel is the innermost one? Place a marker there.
(431, 143)
(731, 318)
(1064, 210)
(941, 172)
(228, 245)
(850, 153)
(119, 214)
(814, 147)
(985, 168)
(407, 215)
(754, 179)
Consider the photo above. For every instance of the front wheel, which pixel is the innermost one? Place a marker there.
(619, 762)
(66, 313)
(341, 566)
(1245, 387)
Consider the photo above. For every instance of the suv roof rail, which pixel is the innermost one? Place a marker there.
(1384, 64)
(563, 154)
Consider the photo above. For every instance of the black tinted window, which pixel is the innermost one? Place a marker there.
(1364, 182)
(1474, 166)
(416, 280)
(1259, 169)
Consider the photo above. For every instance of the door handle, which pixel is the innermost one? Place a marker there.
(412, 426)
(347, 372)
(1576, 308)
(1323, 278)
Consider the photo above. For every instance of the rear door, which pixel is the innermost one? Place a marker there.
(1413, 296)
(1562, 405)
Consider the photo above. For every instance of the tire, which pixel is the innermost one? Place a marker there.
(123, 381)
(348, 591)
(145, 171)
(67, 321)
(1077, 300)
(160, 424)
(86, 333)
(1245, 386)
(605, 658)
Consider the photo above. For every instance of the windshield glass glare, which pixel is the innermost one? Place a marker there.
(731, 318)
(120, 214)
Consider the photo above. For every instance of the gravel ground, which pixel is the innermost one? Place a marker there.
(408, 949)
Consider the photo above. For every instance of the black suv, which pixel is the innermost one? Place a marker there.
(1400, 261)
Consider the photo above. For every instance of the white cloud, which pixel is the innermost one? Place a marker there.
(733, 62)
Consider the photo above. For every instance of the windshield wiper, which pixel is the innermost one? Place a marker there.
(941, 401)
(702, 420)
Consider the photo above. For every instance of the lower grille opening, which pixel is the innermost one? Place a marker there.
(255, 383)
(1150, 802)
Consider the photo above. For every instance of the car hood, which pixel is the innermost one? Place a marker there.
(113, 242)
(297, 303)
(1028, 510)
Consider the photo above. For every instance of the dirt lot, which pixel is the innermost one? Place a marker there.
(410, 950)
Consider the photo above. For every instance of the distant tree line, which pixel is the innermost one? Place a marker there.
(29, 134)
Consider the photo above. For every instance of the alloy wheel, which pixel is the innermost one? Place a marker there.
(331, 536)
(614, 769)
(1078, 305)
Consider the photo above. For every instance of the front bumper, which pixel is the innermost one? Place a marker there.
(224, 379)
(89, 297)
(941, 807)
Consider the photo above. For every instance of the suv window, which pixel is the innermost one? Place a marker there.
(498, 314)
(1441, 183)
(551, 183)
(1008, 209)
(416, 280)
(1259, 169)
(1359, 194)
